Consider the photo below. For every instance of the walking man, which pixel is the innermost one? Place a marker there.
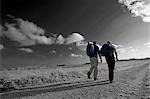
(108, 51)
(93, 51)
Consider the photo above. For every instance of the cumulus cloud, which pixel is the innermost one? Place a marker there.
(126, 49)
(81, 45)
(29, 27)
(15, 34)
(121, 50)
(147, 44)
(60, 39)
(1, 46)
(133, 52)
(138, 8)
(27, 50)
(73, 38)
(117, 46)
(28, 33)
(75, 55)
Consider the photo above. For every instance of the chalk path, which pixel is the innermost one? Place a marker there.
(132, 83)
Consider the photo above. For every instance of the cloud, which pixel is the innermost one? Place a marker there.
(74, 38)
(27, 33)
(1, 46)
(133, 52)
(53, 52)
(138, 8)
(117, 46)
(126, 49)
(121, 50)
(27, 50)
(60, 39)
(75, 55)
(81, 45)
(15, 34)
(147, 44)
(29, 27)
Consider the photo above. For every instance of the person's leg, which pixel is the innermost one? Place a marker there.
(95, 68)
(91, 68)
(112, 69)
(111, 73)
(109, 68)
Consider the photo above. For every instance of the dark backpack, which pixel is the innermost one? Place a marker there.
(90, 50)
(107, 50)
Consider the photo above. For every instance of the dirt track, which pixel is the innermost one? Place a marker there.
(133, 83)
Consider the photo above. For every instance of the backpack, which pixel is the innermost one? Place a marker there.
(107, 50)
(90, 50)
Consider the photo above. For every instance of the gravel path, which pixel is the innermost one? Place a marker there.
(133, 83)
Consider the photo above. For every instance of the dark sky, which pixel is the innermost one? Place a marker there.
(65, 16)
(99, 20)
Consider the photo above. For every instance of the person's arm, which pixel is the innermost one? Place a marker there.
(116, 54)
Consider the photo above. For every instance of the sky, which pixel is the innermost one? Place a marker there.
(52, 32)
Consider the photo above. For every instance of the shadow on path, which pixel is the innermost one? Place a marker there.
(71, 86)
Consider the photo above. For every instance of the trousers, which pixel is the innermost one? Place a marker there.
(94, 64)
(111, 64)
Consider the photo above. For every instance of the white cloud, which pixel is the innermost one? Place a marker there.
(126, 49)
(81, 45)
(53, 52)
(60, 40)
(1, 46)
(29, 28)
(147, 44)
(74, 38)
(133, 52)
(75, 55)
(121, 50)
(27, 33)
(138, 8)
(117, 46)
(15, 34)
(27, 50)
